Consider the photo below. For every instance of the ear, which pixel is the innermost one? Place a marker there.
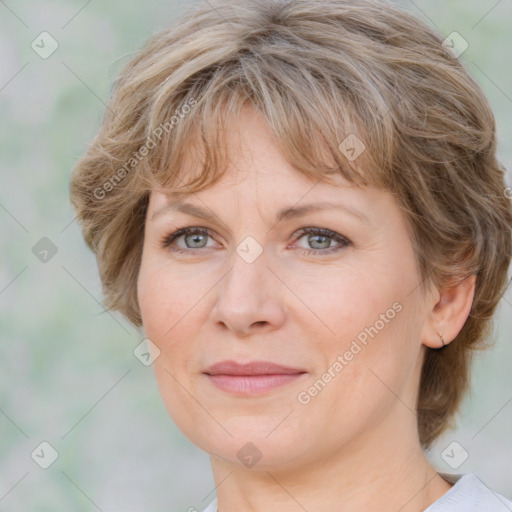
(449, 313)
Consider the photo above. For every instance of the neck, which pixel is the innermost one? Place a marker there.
(382, 472)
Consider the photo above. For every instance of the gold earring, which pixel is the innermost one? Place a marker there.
(442, 339)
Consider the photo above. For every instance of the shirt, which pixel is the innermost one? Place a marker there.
(468, 494)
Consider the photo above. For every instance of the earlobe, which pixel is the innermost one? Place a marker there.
(449, 313)
(443, 343)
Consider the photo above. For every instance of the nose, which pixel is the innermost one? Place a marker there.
(249, 298)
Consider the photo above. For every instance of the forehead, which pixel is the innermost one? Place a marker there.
(256, 169)
(266, 181)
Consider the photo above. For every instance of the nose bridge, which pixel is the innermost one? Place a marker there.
(247, 297)
(246, 283)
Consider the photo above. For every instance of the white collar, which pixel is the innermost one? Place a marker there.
(468, 494)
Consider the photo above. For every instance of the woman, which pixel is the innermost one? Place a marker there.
(301, 205)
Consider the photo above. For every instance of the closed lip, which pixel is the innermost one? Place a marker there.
(251, 368)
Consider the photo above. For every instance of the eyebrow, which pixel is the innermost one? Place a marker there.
(284, 214)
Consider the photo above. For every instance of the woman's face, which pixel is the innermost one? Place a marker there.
(341, 309)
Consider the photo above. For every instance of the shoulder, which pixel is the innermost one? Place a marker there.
(470, 494)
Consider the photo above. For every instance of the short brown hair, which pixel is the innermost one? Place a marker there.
(317, 72)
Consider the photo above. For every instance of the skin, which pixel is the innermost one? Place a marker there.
(354, 446)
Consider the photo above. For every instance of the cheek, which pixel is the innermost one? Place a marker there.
(339, 303)
(168, 319)
(369, 365)
(167, 302)
(173, 313)
(155, 307)
(367, 327)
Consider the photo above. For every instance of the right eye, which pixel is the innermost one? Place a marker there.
(194, 238)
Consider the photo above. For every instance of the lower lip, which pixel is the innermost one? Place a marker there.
(250, 384)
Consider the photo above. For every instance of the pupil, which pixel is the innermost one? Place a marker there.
(196, 238)
(325, 239)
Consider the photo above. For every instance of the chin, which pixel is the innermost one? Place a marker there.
(259, 443)
(256, 454)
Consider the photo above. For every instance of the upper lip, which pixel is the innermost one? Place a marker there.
(251, 368)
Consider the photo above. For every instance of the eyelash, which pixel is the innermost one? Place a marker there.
(167, 240)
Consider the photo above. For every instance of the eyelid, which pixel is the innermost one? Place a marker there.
(341, 240)
(314, 230)
(169, 238)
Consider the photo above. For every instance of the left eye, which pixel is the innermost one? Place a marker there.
(196, 238)
(321, 240)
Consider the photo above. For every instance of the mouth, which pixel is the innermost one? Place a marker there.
(252, 378)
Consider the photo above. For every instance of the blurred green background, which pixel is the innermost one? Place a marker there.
(68, 375)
